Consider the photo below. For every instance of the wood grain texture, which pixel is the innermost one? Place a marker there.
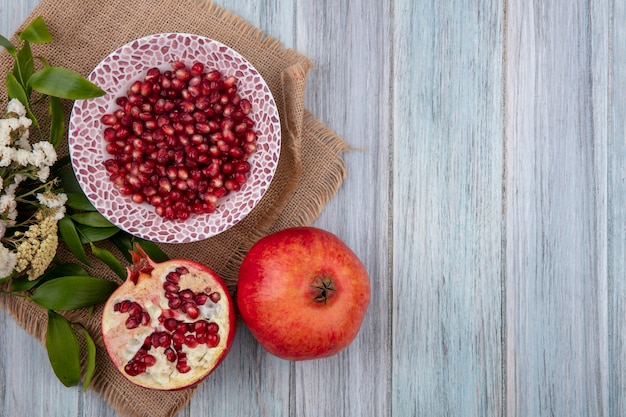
(486, 195)
(617, 209)
(556, 205)
(447, 211)
(348, 89)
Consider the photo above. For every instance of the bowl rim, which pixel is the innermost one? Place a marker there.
(264, 162)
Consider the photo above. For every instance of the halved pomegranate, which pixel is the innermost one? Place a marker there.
(170, 324)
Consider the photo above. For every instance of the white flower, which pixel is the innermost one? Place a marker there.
(5, 134)
(23, 142)
(16, 106)
(37, 158)
(8, 207)
(43, 173)
(52, 200)
(3, 228)
(7, 155)
(8, 260)
(24, 121)
(6, 127)
(5, 202)
(50, 155)
(1, 183)
(22, 157)
(17, 179)
(58, 213)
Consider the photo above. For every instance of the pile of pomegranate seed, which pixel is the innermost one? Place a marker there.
(180, 139)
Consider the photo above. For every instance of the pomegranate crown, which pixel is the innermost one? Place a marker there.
(141, 263)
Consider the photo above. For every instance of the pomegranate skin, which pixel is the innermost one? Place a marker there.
(145, 289)
(303, 293)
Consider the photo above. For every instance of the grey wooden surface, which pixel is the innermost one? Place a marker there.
(486, 196)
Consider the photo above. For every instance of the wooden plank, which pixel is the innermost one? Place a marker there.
(28, 387)
(348, 90)
(249, 382)
(13, 13)
(447, 193)
(617, 212)
(27, 384)
(556, 183)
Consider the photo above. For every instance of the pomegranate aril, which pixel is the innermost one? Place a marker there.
(191, 341)
(215, 296)
(183, 368)
(249, 148)
(201, 298)
(240, 177)
(134, 309)
(170, 354)
(230, 81)
(191, 310)
(148, 360)
(242, 167)
(200, 326)
(197, 68)
(173, 276)
(164, 339)
(213, 328)
(171, 287)
(174, 302)
(232, 185)
(182, 270)
(182, 327)
(132, 322)
(178, 338)
(186, 294)
(245, 106)
(124, 306)
(170, 324)
(212, 340)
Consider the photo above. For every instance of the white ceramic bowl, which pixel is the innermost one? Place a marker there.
(114, 75)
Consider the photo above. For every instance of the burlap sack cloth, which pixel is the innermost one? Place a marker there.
(309, 173)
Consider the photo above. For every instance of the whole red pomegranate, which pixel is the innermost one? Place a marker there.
(303, 293)
(170, 324)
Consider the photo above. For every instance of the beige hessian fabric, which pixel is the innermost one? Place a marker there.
(309, 173)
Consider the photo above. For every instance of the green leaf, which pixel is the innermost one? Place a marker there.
(60, 164)
(107, 257)
(64, 83)
(8, 277)
(91, 358)
(95, 234)
(152, 250)
(61, 270)
(93, 219)
(23, 284)
(15, 89)
(6, 44)
(69, 234)
(73, 292)
(69, 183)
(36, 32)
(79, 201)
(57, 121)
(123, 242)
(24, 66)
(63, 351)
(66, 269)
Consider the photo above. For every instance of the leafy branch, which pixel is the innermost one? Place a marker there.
(64, 286)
